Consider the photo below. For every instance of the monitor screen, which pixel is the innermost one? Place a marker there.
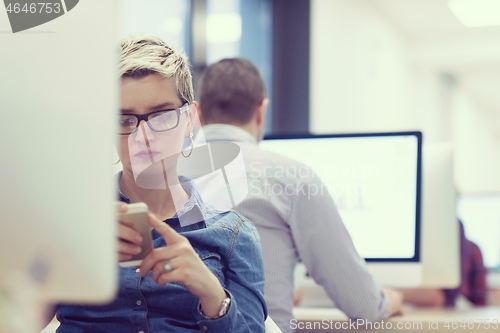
(374, 180)
(480, 214)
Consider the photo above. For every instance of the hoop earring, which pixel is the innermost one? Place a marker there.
(192, 145)
(117, 162)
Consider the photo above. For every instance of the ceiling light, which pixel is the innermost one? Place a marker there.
(476, 13)
(223, 28)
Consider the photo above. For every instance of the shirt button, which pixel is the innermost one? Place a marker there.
(138, 270)
(141, 331)
(205, 328)
(138, 303)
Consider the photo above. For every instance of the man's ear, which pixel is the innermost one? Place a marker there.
(261, 111)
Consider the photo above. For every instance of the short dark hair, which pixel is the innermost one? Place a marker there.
(230, 91)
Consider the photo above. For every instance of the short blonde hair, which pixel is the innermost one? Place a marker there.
(143, 54)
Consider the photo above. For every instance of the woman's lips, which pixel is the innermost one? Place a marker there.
(146, 155)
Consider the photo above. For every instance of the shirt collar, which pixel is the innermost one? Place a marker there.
(226, 132)
(191, 213)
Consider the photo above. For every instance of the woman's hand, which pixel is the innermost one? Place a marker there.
(187, 268)
(129, 239)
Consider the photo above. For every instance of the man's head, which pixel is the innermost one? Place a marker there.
(233, 92)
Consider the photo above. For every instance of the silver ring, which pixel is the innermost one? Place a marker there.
(167, 267)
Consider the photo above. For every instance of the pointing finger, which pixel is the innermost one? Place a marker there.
(167, 232)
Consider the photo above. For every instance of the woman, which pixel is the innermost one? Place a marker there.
(206, 272)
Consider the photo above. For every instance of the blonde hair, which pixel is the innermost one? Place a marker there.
(143, 54)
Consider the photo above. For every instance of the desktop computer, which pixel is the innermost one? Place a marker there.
(440, 227)
(59, 98)
(480, 215)
(374, 180)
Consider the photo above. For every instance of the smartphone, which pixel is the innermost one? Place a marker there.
(137, 218)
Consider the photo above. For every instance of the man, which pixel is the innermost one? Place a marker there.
(294, 224)
(472, 282)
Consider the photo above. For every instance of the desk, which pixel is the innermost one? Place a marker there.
(271, 326)
(432, 320)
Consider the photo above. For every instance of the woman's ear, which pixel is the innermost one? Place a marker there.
(198, 111)
(192, 115)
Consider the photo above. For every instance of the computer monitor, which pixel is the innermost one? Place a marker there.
(440, 226)
(59, 99)
(480, 214)
(375, 181)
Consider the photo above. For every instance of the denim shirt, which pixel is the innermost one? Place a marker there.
(227, 243)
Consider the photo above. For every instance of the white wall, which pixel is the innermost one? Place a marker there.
(360, 76)
(368, 74)
(477, 145)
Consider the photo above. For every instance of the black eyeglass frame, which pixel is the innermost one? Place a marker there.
(145, 117)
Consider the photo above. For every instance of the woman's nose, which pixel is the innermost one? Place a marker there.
(144, 133)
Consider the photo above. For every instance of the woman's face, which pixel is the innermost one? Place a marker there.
(144, 147)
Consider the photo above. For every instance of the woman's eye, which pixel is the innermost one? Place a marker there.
(165, 118)
(126, 122)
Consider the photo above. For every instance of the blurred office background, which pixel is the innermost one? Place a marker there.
(337, 66)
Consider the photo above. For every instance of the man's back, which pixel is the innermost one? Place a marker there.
(297, 219)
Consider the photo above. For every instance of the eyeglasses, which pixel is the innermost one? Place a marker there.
(158, 121)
